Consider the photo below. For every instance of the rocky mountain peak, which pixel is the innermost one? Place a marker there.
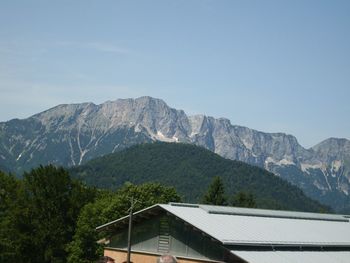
(333, 148)
(71, 134)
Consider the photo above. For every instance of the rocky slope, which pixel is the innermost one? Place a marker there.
(71, 134)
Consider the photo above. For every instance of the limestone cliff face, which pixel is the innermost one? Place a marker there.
(71, 134)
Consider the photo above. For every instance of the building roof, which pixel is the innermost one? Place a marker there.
(259, 227)
(243, 226)
(263, 236)
(294, 256)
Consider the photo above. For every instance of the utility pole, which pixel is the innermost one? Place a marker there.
(129, 230)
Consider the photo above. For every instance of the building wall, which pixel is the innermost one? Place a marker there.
(138, 257)
(165, 234)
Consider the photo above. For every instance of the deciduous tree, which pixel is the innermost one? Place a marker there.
(111, 206)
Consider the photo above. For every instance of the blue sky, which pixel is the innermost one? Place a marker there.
(274, 66)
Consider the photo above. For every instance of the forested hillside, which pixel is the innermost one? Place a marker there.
(190, 169)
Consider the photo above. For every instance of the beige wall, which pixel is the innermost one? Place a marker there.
(137, 257)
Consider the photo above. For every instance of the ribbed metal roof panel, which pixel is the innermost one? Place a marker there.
(271, 213)
(238, 229)
(293, 257)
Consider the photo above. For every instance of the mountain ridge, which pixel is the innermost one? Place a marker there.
(71, 134)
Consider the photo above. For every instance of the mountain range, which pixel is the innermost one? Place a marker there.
(71, 134)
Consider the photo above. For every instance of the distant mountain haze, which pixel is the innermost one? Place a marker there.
(72, 134)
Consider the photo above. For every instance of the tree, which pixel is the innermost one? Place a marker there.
(9, 243)
(46, 219)
(242, 199)
(110, 206)
(215, 194)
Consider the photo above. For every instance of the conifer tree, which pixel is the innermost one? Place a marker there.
(215, 194)
(242, 199)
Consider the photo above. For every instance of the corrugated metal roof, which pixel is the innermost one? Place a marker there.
(257, 229)
(294, 256)
(241, 227)
(271, 213)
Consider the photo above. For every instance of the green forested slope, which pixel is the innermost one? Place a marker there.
(190, 169)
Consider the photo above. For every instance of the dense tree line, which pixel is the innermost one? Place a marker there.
(49, 217)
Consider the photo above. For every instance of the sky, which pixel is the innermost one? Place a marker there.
(272, 65)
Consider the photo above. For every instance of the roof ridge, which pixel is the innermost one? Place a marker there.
(243, 211)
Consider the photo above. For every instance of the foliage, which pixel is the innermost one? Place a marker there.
(9, 190)
(110, 206)
(49, 217)
(41, 219)
(190, 169)
(242, 199)
(216, 193)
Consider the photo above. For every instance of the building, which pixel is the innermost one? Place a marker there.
(204, 233)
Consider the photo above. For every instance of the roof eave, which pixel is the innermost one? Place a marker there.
(286, 244)
(122, 219)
